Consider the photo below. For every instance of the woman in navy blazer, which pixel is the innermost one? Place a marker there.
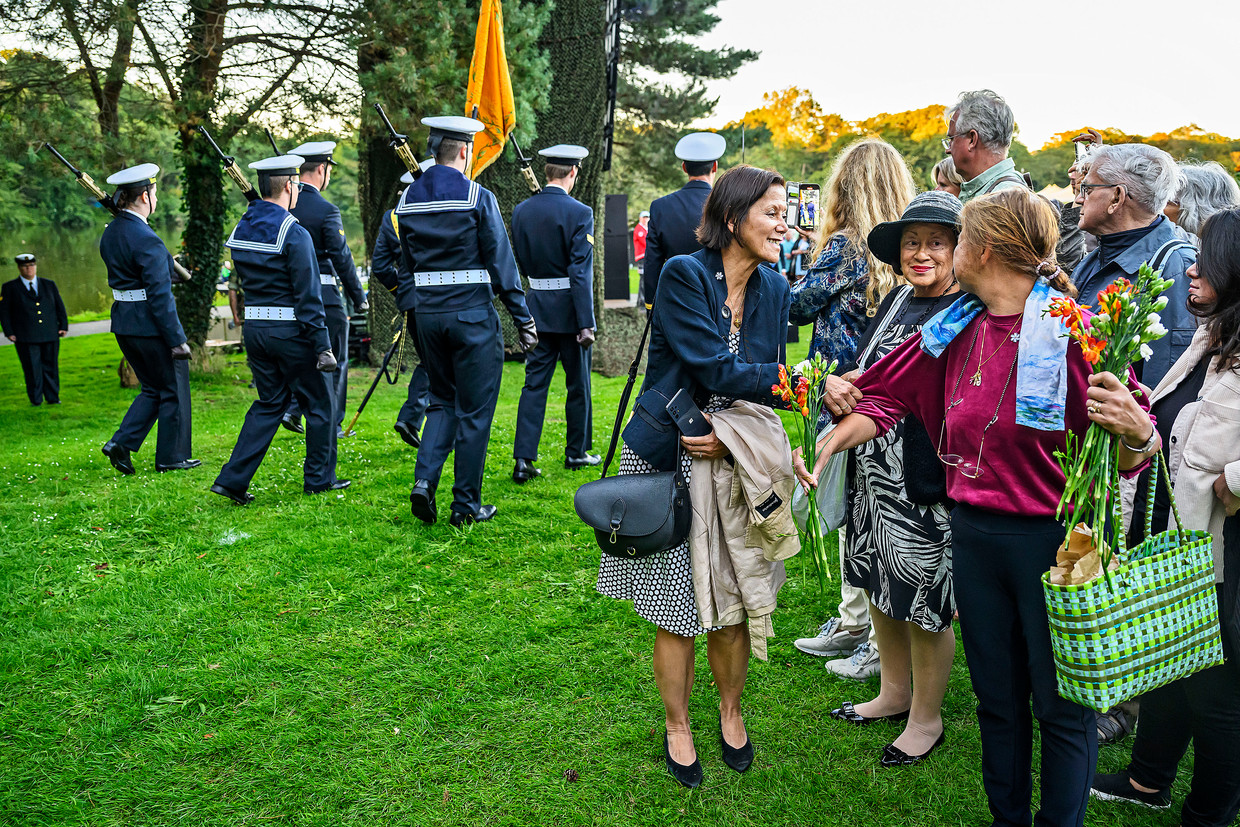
(719, 327)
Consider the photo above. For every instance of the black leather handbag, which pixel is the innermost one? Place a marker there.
(635, 515)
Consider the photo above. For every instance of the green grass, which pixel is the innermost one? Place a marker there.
(167, 658)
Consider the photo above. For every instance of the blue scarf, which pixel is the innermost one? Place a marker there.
(1042, 365)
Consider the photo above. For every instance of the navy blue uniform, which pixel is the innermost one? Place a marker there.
(456, 249)
(145, 322)
(672, 231)
(321, 219)
(553, 238)
(285, 330)
(387, 265)
(34, 317)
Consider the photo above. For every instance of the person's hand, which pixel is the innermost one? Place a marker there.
(809, 481)
(236, 321)
(326, 362)
(585, 336)
(810, 235)
(1111, 404)
(704, 447)
(181, 351)
(1089, 136)
(13, 338)
(527, 336)
(1231, 503)
(61, 333)
(840, 396)
(852, 375)
(363, 307)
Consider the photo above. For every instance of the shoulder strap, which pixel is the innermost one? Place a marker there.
(624, 397)
(1160, 257)
(893, 310)
(1012, 177)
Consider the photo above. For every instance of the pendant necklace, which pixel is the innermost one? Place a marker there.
(976, 379)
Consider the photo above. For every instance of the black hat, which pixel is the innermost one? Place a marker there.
(932, 207)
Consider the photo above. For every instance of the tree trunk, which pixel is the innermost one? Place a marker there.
(114, 80)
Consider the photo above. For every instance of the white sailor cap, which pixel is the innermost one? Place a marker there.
(568, 155)
(24, 258)
(454, 126)
(142, 175)
(701, 147)
(316, 152)
(279, 165)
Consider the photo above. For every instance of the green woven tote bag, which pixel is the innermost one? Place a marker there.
(1156, 620)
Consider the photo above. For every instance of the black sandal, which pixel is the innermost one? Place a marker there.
(1114, 725)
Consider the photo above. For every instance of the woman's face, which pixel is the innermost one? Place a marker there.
(1199, 290)
(943, 185)
(765, 226)
(926, 257)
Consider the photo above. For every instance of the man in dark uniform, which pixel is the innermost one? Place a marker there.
(146, 326)
(33, 319)
(387, 265)
(674, 218)
(321, 219)
(285, 334)
(553, 238)
(457, 251)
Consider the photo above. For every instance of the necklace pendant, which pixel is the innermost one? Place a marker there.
(1015, 337)
(976, 379)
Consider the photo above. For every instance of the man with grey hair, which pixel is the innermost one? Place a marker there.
(979, 133)
(1122, 198)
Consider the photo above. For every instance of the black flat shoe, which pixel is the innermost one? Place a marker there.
(687, 775)
(408, 433)
(239, 497)
(893, 756)
(422, 503)
(524, 471)
(460, 518)
(119, 457)
(293, 423)
(577, 463)
(338, 485)
(738, 758)
(183, 465)
(846, 712)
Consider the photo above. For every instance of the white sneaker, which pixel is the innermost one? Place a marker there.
(862, 665)
(831, 640)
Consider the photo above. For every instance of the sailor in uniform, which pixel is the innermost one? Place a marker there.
(457, 250)
(33, 318)
(146, 326)
(674, 218)
(286, 335)
(553, 238)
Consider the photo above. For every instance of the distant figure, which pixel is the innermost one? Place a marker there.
(979, 134)
(639, 240)
(945, 178)
(33, 319)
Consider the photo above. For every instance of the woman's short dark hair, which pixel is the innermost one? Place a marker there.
(1218, 265)
(127, 196)
(729, 201)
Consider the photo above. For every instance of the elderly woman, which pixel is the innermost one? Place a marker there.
(897, 544)
(1207, 188)
(945, 178)
(718, 332)
(1197, 408)
(998, 387)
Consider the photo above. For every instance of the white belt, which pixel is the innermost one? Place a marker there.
(326, 279)
(550, 284)
(129, 295)
(437, 278)
(277, 314)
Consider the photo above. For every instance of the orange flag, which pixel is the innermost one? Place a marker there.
(490, 87)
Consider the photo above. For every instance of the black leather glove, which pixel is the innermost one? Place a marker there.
(527, 336)
(326, 362)
(181, 351)
(585, 336)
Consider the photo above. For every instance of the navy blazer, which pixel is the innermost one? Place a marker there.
(32, 319)
(137, 260)
(321, 218)
(387, 264)
(553, 238)
(672, 231)
(689, 348)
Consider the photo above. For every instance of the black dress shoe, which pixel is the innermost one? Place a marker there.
(577, 463)
(422, 502)
(460, 518)
(338, 485)
(408, 433)
(239, 497)
(293, 423)
(119, 457)
(893, 756)
(846, 712)
(738, 758)
(687, 775)
(183, 465)
(524, 471)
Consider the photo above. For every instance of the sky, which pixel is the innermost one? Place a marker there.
(1139, 66)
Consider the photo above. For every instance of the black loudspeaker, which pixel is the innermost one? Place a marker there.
(616, 247)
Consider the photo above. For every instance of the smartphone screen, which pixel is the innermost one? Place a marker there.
(808, 217)
(794, 202)
(1082, 151)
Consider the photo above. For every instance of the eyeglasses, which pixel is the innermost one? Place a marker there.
(1087, 188)
(947, 142)
(972, 470)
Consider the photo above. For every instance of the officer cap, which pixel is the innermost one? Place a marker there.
(316, 152)
(143, 175)
(568, 155)
(279, 165)
(454, 126)
(701, 147)
(24, 258)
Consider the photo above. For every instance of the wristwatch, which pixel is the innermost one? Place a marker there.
(1144, 448)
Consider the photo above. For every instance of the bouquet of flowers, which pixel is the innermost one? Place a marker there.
(802, 390)
(1111, 339)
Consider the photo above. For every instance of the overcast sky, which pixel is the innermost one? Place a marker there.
(1137, 66)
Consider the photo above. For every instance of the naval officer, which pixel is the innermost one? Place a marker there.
(33, 318)
(146, 326)
(321, 218)
(286, 335)
(553, 238)
(456, 248)
(674, 218)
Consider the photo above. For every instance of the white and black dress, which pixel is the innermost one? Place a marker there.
(660, 585)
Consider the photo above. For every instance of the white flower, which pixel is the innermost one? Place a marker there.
(1160, 303)
(802, 368)
(1154, 326)
(1146, 351)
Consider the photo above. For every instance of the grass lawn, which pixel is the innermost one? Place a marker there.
(167, 658)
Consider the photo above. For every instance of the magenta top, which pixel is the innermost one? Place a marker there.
(1020, 475)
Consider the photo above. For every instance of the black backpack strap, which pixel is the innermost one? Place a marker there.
(624, 397)
(1165, 251)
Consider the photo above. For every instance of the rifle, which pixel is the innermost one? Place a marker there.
(105, 201)
(271, 138)
(230, 166)
(524, 163)
(400, 143)
(383, 372)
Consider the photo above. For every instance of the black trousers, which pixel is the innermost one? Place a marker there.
(997, 563)
(338, 336)
(41, 367)
(282, 361)
(539, 369)
(164, 398)
(414, 409)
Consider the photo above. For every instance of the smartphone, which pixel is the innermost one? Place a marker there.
(807, 219)
(687, 416)
(794, 203)
(1082, 151)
